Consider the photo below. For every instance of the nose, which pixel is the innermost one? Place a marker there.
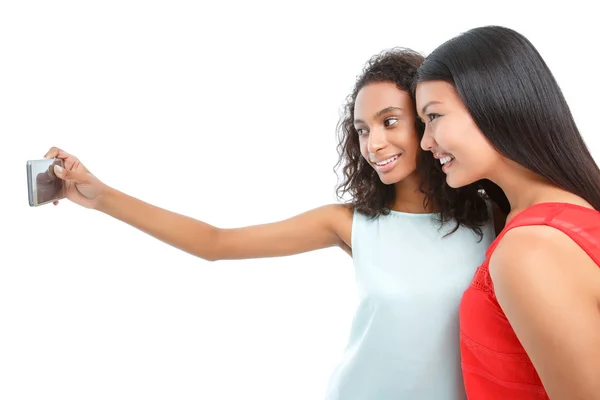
(377, 140)
(427, 141)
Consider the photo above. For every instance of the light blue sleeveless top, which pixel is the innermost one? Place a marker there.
(404, 342)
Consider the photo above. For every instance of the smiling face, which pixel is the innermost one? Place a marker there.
(384, 119)
(452, 135)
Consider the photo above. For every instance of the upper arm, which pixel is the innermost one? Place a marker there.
(319, 228)
(548, 288)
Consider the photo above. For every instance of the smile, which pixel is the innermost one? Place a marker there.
(446, 160)
(389, 160)
(387, 164)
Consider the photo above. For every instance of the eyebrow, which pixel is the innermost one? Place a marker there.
(380, 113)
(429, 104)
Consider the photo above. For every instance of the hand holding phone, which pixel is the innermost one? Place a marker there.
(80, 185)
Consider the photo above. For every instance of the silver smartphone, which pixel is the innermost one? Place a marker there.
(43, 185)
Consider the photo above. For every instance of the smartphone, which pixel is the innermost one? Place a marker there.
(42, 183)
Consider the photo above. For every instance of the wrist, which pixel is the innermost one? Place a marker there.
(105, 199)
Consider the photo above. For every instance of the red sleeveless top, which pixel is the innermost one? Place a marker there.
(495, 365)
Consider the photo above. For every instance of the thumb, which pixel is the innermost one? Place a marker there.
(73, 176)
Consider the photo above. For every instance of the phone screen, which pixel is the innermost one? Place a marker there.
(44, 185)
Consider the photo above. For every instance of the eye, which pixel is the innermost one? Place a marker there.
(432, 116)
(390, 121)
(361, 131)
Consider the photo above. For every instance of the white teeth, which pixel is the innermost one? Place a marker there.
(446, 159)
(384, 162)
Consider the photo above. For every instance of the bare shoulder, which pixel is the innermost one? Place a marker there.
(530, 251)
(340, 217)
(337, 213)
(549, 290)
(342, 210)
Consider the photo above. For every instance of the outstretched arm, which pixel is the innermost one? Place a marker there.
(315, 229)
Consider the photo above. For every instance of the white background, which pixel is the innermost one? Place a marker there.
(225, 112)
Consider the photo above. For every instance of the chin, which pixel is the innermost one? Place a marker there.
(453, 184)
(386, 180)
(456, 181)
(393, 177)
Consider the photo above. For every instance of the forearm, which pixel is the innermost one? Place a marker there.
(185, 233)
(315, 229)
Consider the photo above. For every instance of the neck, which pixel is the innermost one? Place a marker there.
(524, 188)
(408, 197)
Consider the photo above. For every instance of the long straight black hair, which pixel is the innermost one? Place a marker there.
(516, 102)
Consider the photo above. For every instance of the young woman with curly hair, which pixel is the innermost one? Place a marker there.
(415, 241)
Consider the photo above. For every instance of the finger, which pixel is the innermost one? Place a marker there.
(55, 203)
(52, 153)
(55, 152)
(73, 176)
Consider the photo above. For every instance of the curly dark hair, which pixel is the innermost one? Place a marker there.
(464, 206)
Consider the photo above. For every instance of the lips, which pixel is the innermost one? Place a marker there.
(386, 164)
(386, 161)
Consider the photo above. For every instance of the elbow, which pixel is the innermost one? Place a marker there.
(208, 248)
(211, 258)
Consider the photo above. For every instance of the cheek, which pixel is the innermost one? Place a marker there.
(458, 136)
(363, 148)
(413, 148)
(414, 142)
(364, 151)
(477, 157)
(483, 152)
(407, 140)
